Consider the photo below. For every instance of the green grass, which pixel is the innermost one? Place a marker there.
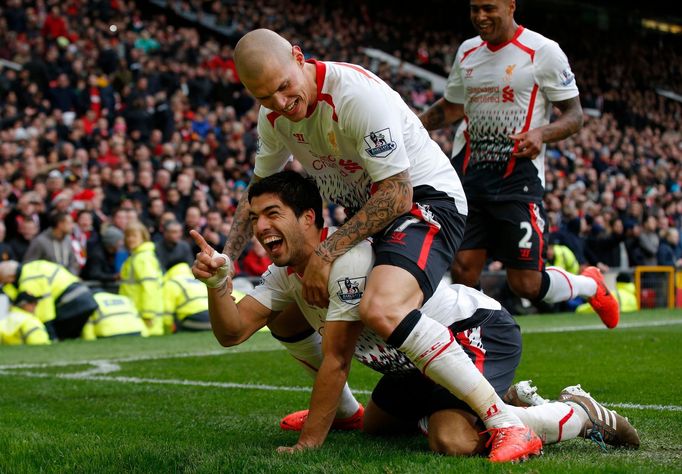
(122, 420)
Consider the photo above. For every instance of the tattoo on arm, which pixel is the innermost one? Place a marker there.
(570, 121)
(392, 199)
(241, 231)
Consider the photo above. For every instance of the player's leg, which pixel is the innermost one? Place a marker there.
(456, 432)
(522, 248)
(472, 254)
(304, 344)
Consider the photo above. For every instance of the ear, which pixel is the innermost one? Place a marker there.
(298, 55)
(309, 217)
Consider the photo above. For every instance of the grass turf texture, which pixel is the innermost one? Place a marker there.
(183, 404)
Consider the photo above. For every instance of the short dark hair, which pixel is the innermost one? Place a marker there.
(293, 189)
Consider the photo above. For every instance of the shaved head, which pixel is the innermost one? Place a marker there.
(258, 49)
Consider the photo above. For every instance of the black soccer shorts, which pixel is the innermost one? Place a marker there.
(425, 240)
(512, 232)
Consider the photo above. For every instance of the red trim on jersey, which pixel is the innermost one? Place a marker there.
(272, 116)
(468, 52)
(523, 47)
(452, 339)
(497, 47)
(467, 152)
(565, 276)
(526, 126)
(534, 223)
(479, 355)
(358, 69)
(428, 240)
(320, 75)
(562, 422)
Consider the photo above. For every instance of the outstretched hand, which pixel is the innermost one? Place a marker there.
(210, 267)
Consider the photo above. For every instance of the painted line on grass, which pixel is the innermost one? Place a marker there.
(91, 376)
(139, 358)
(140, 380)
(587, 327)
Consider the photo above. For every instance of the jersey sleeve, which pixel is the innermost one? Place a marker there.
(372, 119)
(347, 281)
(273, 291)
(454, 87)
(553, 73)
(271, 155)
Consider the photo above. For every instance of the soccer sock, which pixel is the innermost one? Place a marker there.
(552, 422)
(433, 349)
(563, 285)
(308, 353)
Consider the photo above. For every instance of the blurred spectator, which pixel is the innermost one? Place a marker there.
(54, 243)
(669, 250)
(172, 248)
(101, 262)
(256, 260)
(28, 229)
(6, 252)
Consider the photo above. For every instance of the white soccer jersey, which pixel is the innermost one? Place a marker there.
(507, 89)
(359, 132)
(280, 286)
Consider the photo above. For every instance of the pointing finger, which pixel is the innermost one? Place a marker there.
(201, 242)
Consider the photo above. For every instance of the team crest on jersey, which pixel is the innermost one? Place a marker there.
(351, 289)
(380, 143)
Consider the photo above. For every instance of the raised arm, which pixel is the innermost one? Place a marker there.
(441, 114)
(231, 323)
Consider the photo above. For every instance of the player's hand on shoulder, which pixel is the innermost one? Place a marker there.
(315, 282)
(528, 144)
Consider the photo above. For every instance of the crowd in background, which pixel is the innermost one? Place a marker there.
(119, 115)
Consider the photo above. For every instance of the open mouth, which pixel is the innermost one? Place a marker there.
(291, 107)
(272, 242)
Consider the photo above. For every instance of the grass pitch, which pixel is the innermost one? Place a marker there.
(184, 404)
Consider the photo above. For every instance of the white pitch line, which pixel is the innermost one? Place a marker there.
(276, 388)
(599, 328)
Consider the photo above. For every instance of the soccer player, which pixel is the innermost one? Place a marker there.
(504, 83)
(286, 216)
(369, 153)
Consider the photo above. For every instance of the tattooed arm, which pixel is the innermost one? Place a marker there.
(241, 231)
(441, 114)
(393, 198)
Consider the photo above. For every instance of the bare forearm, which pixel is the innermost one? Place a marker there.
(393, 198)
(324, 401)
(441, 114)
(226, 323)
(241, 231)
(570, 121)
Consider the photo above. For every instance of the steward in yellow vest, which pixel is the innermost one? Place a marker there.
(20, 326)
(185, 299)
(115, 316)
(65, 302)
(142, 278)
